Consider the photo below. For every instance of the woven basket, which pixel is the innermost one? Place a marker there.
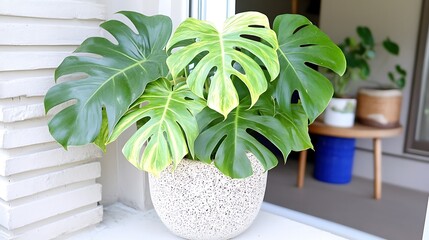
(379, 108)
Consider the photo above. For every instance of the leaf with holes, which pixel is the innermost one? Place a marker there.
(301, 47)
(219, 50)
(228, 141)
(115, 75)
(169, 127)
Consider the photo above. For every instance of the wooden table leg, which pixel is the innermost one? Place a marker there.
(301, 168)
(377, 168)
(294, 6)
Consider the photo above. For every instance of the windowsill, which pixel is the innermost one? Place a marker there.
(273, 222)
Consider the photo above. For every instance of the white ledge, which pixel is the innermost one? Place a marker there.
(273, 222)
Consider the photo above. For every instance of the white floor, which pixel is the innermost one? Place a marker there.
(273, 222)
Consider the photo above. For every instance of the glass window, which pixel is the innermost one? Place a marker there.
(215, 11)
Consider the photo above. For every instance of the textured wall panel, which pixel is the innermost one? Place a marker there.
(45, 191)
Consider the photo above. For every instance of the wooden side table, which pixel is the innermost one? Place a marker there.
(357, 131)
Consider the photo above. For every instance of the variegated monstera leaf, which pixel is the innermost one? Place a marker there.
(169, 126)
(216, 51)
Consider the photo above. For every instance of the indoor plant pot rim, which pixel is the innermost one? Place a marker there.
(381, 92)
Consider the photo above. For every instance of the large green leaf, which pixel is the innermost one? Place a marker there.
(115, 75)
(219, 50)
(169, 128)
(229, 140)
(300, 44)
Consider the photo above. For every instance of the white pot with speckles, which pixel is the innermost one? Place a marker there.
(197, 201)
(340, 112)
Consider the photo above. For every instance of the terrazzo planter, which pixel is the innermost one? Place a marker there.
(197, 201)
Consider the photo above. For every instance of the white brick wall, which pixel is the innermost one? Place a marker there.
(45, 191)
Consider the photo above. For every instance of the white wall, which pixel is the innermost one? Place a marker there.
(45, 191)
(398, 20)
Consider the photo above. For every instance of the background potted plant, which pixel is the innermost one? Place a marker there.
(381, 106)
(204, 93)
(378, 106)
(358, 53)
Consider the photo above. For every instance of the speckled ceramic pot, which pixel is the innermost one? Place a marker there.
(198, 202)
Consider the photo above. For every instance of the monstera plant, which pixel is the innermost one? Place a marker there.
(203, 92)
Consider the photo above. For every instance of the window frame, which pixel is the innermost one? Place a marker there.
(420, 83)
